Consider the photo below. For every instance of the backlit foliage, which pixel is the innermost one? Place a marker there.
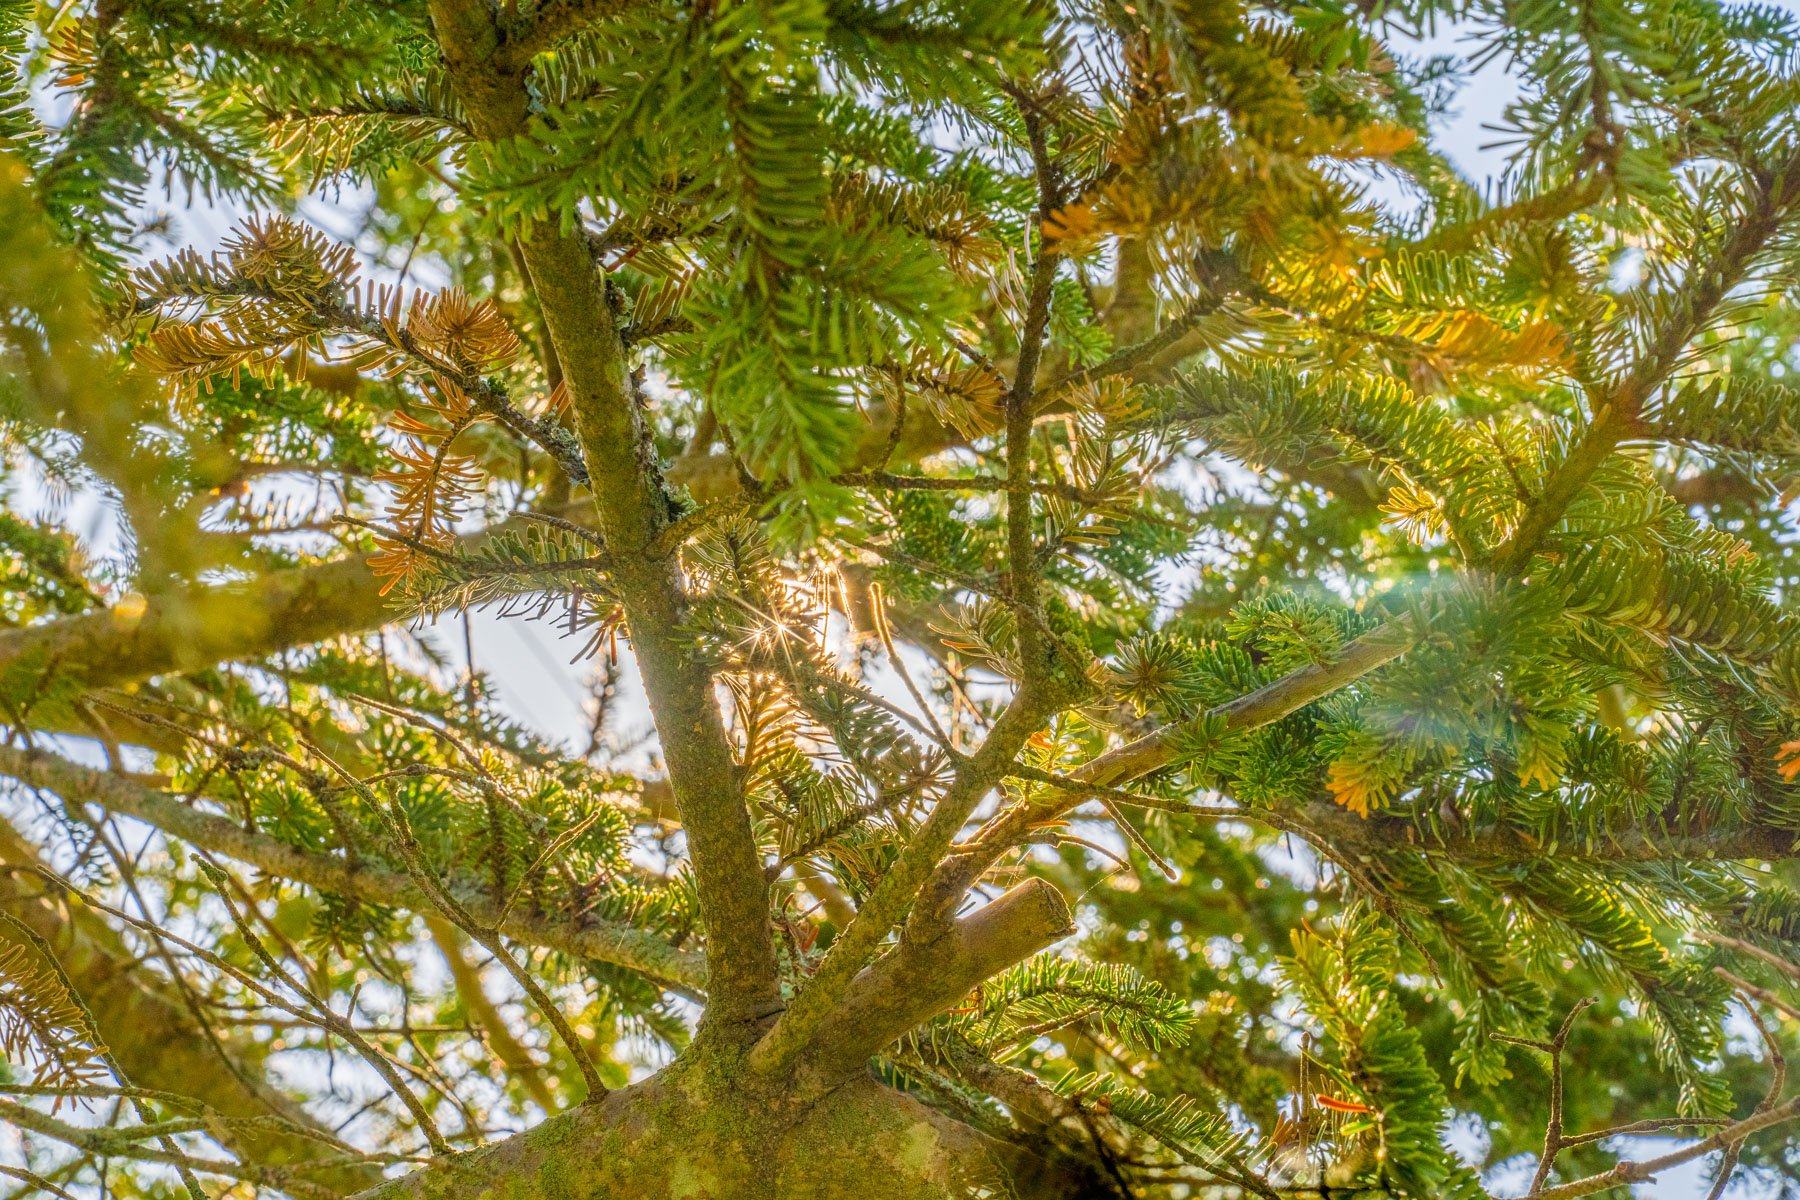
(1111, 445)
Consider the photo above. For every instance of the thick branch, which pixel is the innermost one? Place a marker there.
(888, 903)
(197, 627)
(876, 1009)
(634, 509)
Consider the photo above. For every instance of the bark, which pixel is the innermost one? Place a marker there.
(195, 627)
(705, 1133)
(634, 510)
(920, 978)
(199, 626)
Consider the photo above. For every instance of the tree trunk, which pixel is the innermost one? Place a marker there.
(699, 1131)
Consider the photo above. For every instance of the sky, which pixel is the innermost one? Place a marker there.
(530, 666)
(527, 663)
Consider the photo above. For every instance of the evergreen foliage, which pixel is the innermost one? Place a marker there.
(1187, 647)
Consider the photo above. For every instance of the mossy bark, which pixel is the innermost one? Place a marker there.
(698, 1131)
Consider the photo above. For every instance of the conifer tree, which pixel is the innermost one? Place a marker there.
(1187, 647)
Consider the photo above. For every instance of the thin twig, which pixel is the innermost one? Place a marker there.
(111, 1142)
(1554, 1138)
(1626, 1173)
(1777, 1083)
(1791, 970)
(1758, 993)
(413, 855)
(20, 929)
(1648, 1127)
(329, 1018)
(878, 609)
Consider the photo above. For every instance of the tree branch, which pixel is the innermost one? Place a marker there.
(124, 1144)
(916, 980)
(401, 831)
(1035, 652)
(798, 1028)
(634, 509)
(1637, 1172)
(1156, 750)
(1553, 1128)
(195, 627)
(1616, 414)
(1614, 420)
(154, 1035)
(531, 33)
(603, 941)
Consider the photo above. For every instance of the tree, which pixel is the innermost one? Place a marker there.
(1192, 649)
